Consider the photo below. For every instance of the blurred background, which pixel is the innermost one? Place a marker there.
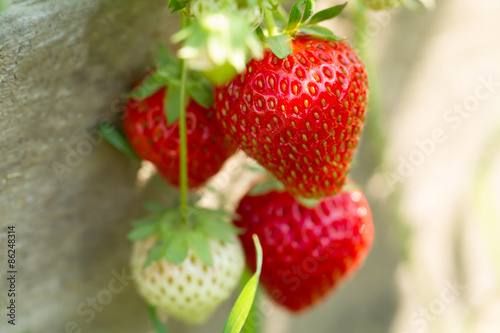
(429, 163)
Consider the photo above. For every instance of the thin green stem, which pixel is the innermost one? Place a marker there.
(270, 24)
(183, 167)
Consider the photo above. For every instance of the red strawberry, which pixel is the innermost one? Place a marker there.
(307, 252)
(153, 140)
(300, 117)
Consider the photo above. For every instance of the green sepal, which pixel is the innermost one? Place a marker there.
(255, 168)
(177, 247)
(214, 223)
(280, 45)
(154, 207)
(327, 14)
(173, 239)
(142, 231)
(177, 5)
(269, 185)
(243, 305)
(199, 243)
(321, 32)
(308, 11)
(165, 58)
(260, 33)
(147, 220)
(295, 16)
(306, 202)
(201, 90)
(156, 253)
(148, 87)
(116, 138)
(172, 102)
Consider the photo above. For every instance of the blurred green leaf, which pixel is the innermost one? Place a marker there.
(201, 91)
(199, 243)
(117, 140)
(177, 248)
(321, 32)
(142, 231)
(243, 304)
(157, 324)
(308, 11)
(327, 14)
(280, 45)
(177, 5)
(156, 253)
(149, 86)
(172, 103)
(295, 15)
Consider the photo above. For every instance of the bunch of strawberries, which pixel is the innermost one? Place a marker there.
(299, 113)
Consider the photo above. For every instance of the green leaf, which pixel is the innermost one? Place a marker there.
(154, 207)
(309, 203)
(308, 11)
(255, 168)
(177, 4)
(243, 304)
(295, 16)
(156, 253)
(172, 103)
(199, 243)
(142, 231)
(270, 184)
(326, 14)
(280, 45)
(201, 91)
(220, 230)
(117, 140)
(157, 324)
(322, 32)
(149, 86)
(165, 57)
(177, 248)
(260, 33)
(147, 220)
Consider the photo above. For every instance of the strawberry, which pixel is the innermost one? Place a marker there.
(382, 4)
(301, 116)
(190, 291)
(146, 128)
(307, 251)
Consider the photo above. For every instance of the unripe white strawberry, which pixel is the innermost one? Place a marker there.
(192, 290)
(382, 4)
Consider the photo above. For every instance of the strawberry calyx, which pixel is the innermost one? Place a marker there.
(301, 20)
(174, 238)
(167, 74)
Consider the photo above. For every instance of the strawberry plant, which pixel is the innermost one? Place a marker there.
(290, 94)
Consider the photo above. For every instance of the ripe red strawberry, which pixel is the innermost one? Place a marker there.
(307, 252)
(153, 140)
(300, 117)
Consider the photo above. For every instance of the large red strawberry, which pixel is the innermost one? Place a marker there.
(146, 128)
(307, 251)
(300, 117)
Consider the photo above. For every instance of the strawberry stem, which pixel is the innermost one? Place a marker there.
(270, 24)
(183, 167)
